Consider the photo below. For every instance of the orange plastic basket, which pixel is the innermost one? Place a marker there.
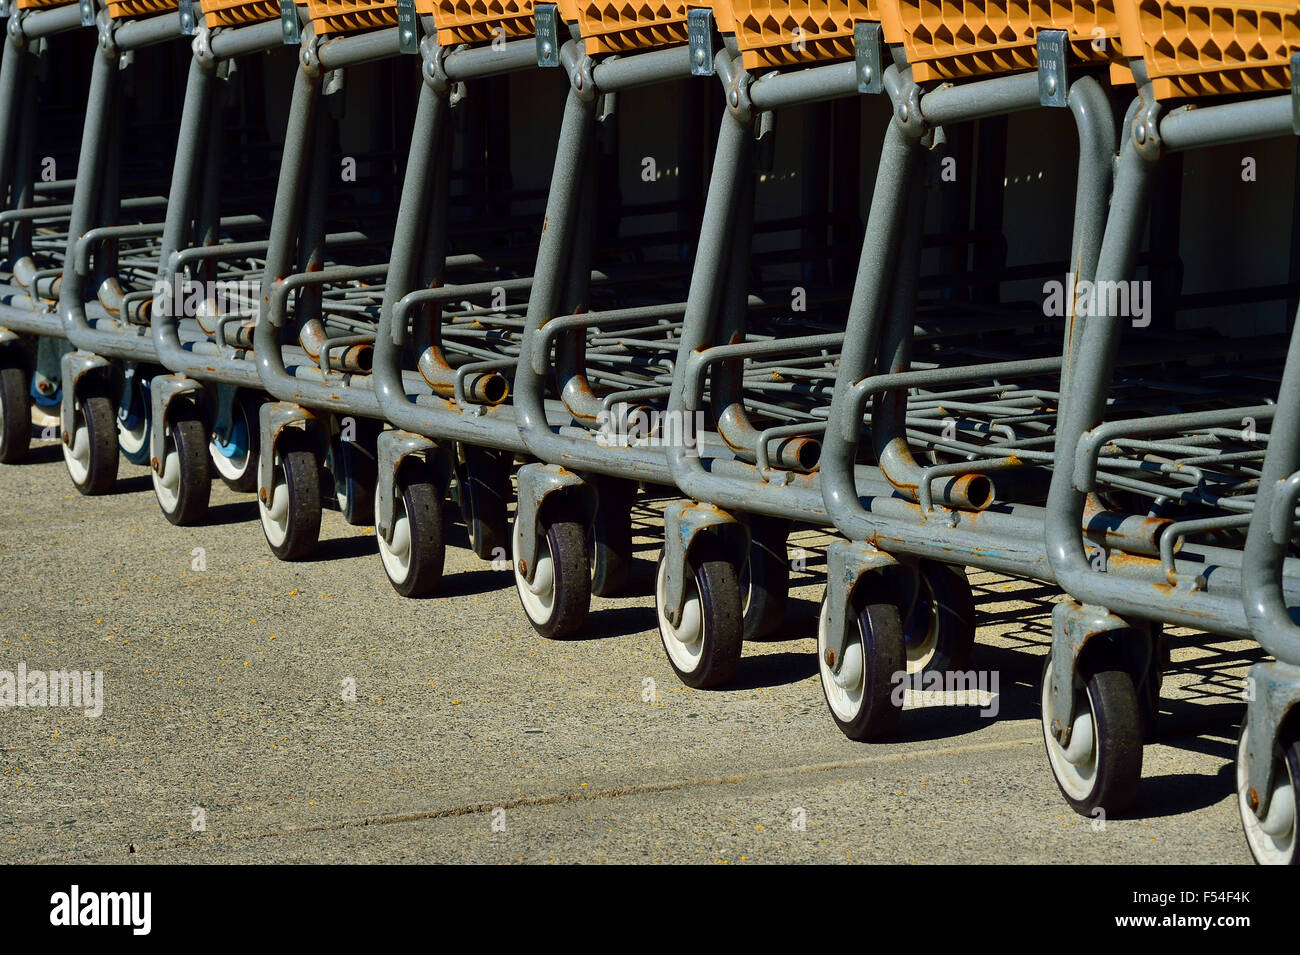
(351, 16)
(234, 13)
(42, 4)
(475, 21)
(773, 33)
(951, 39)
(1211, 49)
(125, 9)
(612, 27)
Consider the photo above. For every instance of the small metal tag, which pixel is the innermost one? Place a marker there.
(4, 8)
(408, 27)
(189, 22)
(1053, 81)
(869, 55)
(546, 24)
(1295, 93)
(289, 23)
(699, 33)
(87, 13)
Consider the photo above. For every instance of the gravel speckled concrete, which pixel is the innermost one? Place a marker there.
(473, 739)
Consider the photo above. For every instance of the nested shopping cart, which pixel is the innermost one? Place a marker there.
(33, 151)
(275, 447)
(1182, 471)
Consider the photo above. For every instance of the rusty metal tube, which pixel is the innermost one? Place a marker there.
(354, 359)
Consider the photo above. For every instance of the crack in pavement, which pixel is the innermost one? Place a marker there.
(551, 799)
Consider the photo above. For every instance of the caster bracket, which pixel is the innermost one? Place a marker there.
(537, 482)
(1073, 626)
(163, 390)
(847, 562)
(684, 521)
(74, 367)
(272, 419)
(392, 448)
(1273, 689)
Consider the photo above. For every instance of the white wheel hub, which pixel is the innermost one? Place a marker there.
(1273, 838)
(275, 516)
(1075, 765)
(396, 556)
(684, 641)
(538, 596)
(167, 485)
(77, 454)
(845, 689)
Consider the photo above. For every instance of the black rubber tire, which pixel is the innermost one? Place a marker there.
(567, 541)
(191, 440)
(611, 537)
(1149, 685)
(1113, 701)
(355, 473)
(944, 601)
(101, 425)
(301, 470)
(422, 498)
(15, 414)
(884, 655)
(718, 584)
(483, 480)
(765, 579)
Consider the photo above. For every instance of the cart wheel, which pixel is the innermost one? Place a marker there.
(1102, 766)
(185, 483)
(557, 600)
(15, 415)
(413, 561)
(765, 580)
(291, 518)
(939, 626)
(234, 455)
(1272, 840)
(354, 469)
(611, 537)
(90, 452)
(704, 649)
(859, 688)
(133, 424)
(483, 492)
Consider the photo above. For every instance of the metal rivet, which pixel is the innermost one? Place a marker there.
(1141, 132)
(699, 56)
(866, 74)
(1050, 85)
(902, 112)
(734, 98)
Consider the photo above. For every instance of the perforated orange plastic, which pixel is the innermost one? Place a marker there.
(475, 21)
(234, 13)
(42, 4)
(950, 39)
(614, 27)
(773, 33)
(351, 16)
(1211, 49)
(125, 9)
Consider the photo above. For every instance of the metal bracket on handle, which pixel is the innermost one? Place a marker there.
(1053, 80)
(546, 26)
(699, 33)
(869, 56)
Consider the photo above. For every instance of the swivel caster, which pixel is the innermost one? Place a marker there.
(1272, 840)
(860, 683)
(15, 413)
(90, 446)
(938, 617)
(704, 647)
(611, 536)
(291, 513)
(233, 448)
(559, 596)
(353, 469)
(1101, 765)
(483, 492)
(181, 481)
(414, 559)
(765, 579)
(133, 420)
